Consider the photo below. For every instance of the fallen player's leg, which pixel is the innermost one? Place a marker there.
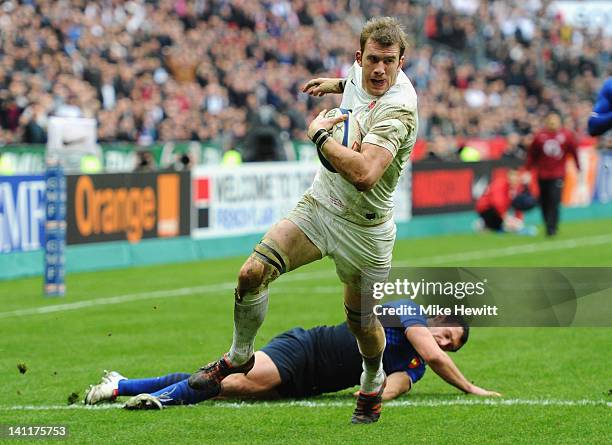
(113, 384)
(259, 383)
(173, 389)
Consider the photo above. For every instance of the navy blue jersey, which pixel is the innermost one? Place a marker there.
(399, 353)
(601, 118)
(327, 359)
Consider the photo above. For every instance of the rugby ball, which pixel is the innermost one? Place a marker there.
(346, 133)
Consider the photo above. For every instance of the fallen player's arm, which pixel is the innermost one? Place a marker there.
(398, 383)
(324, 85)
(439, 361)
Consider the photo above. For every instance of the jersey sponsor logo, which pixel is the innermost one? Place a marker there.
(372, 105)
(335, 201)
(414, 363)
(552, 148)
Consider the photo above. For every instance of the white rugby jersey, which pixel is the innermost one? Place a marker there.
(389, 121)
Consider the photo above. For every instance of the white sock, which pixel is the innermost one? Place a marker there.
(249, 315)
(373, 375)
(371, 381)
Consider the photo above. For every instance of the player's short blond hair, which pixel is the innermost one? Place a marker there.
(385, 31)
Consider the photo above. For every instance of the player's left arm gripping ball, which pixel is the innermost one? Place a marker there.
(323, 85)
(322, 122)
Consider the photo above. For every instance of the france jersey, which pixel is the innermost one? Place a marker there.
(399, 354)
(326, 358)
(600, 122)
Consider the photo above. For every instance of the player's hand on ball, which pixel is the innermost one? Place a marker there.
(323, 122)
(322, 86)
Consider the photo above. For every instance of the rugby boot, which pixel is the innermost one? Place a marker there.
(208, 378)
(368, 406)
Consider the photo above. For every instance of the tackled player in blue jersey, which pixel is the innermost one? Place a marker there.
(303, 363)
(600, 122)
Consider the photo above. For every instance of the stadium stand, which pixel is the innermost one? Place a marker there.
(219, 69)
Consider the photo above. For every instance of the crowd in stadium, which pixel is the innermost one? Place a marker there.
(219, 69)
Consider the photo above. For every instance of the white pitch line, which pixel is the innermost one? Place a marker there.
(544, 246)
(168, 293)
(118, 299)
(340, 404)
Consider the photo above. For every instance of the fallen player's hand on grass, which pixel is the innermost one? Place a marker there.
(483, 392)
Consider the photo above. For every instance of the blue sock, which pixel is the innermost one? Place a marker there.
(180, 394)
(133, 387)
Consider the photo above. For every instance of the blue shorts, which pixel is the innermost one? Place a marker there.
(315, 361)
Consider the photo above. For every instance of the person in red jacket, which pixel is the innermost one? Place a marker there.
(547, 154)
(506, 192)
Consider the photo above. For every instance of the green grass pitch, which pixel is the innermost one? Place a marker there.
(147, 321)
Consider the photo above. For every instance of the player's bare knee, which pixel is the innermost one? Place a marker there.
(250, 276)
(266, 263)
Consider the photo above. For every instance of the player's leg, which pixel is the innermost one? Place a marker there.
(114, 384)
(258, 383)
(492, 219)
(546, 203)
(370, 336)
(285, 247)
(557, 189)
(363, 258)
(132, 387)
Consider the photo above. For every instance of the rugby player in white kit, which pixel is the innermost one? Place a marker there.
(346, 214)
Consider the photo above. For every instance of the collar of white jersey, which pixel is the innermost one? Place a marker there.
(401, 79)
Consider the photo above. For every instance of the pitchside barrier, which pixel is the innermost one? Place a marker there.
(251, 198)
(122, 220)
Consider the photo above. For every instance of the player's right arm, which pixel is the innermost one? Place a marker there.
(439, 361)
(398, 383)
(361, 168)
(324, 85)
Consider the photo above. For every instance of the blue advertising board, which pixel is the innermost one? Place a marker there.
(22, 213)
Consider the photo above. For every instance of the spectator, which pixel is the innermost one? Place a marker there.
(161, 70)
(547, 154)
(509, 191)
